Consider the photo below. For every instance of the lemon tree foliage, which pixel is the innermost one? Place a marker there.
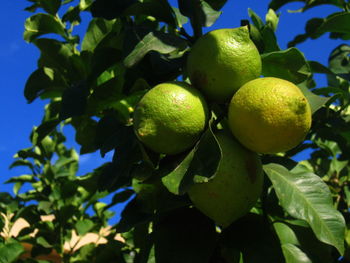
(210, 202)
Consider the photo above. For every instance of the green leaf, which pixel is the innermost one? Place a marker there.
(289, 64)
(296, 235)
(50, 6)
(85, 133)
(84, 226)
(159, 9)
(276, 4)
(305, 196)
(196, 167)
(203, 13)
(335, 23)
(96, 32)
(316, 102)
(56, 56)
(40, 24)
(339, 62)
(41, 81)
(154, 41)
(184, 235)
(272, 19)
(10, 252)
(25, 178)
(294, 254)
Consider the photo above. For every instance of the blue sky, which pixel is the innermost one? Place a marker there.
(18, 60)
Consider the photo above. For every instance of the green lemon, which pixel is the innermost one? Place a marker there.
(170, 117)
(236, 186)
(269, 115)
(221, 61)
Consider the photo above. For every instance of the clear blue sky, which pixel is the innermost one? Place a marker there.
(18, 60)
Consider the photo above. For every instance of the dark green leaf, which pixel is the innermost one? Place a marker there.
(154, 41)
(103, 59)
(55, 55)
(305, 196)
(276, 4)
(159, 9)
(43, 80)
(72, 15)
(203, 13)
(216, 4)
(184, 235)
(74, 101)
(339, 62)
(133, 214)
(40, 24)
(289, 64)
(335, 23)
(50, 6)
(196, 167)
(253, 239)
(317, 67)
(25, 178)
(110, 9)
(297, 236)
(85, 133)
(44, 129)
(96, 32)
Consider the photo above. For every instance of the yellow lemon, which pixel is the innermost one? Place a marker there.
(236, 186)
(170, 117)
(269, 115)
(221, 61)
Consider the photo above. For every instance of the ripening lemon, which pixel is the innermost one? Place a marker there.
(221, 61)
(236, 186)
(170, 117)
(269, 115)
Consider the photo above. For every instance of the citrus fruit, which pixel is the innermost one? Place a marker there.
(269, 115)
(170, 117)
(221, 61)
(236, 186)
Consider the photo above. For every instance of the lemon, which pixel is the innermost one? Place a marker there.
(221, 61)
(170, 117)
(236, 186)
(269, 115)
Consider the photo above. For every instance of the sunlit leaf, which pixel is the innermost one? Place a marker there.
(289, 64)
(154, 41)
(40, 24)
(305, 196)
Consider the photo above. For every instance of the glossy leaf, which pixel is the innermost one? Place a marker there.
(305, 196)
(289, 64)
(154, 41)
(296, 235)
(203, 12)
(41, 24)
(294, 254)
(96, 32)
(196, 167)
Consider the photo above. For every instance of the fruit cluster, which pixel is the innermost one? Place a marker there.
(265, 115)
